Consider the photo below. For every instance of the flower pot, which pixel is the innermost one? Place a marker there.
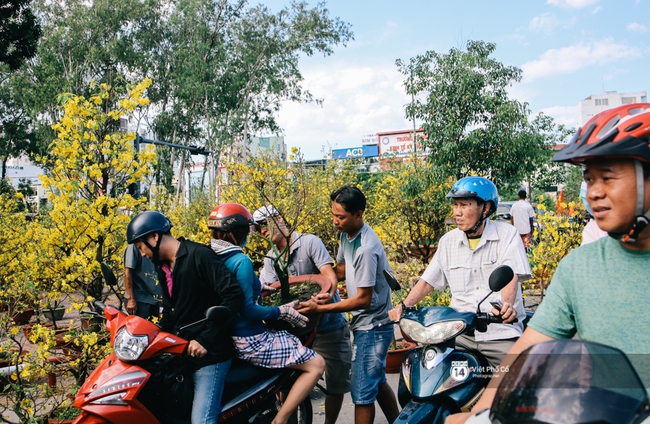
(324, 283)
(395, 357)
(27, 329)
(55, 314)
(23, 317)
(91, 323)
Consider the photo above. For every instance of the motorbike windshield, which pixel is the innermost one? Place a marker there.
(569, 381)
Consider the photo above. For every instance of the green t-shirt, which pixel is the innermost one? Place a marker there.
(601, 291)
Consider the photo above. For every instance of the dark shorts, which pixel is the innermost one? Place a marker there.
(334, 346)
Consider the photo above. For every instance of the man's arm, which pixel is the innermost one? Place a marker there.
(339, 270)
(529, 338)
(328, 272)
(508, 295)
(417, 293)
(361, 301)
(268, 274)
(131, 305)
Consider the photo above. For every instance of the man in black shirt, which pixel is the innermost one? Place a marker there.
(192, 279)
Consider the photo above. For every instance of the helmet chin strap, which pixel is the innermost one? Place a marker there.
(155, 250)
(478, 224)
(641, 219)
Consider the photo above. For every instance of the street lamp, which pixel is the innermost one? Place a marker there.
(134, 188)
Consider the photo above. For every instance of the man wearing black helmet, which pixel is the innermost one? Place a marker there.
(599, 290)
(192, 279)
(466, 257)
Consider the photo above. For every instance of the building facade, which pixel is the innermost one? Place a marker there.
(597, 103)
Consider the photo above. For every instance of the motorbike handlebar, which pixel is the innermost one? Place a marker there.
(386, 322)
(494, 319)
(99, 306)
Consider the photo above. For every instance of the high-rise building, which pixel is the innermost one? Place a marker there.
(597, 103)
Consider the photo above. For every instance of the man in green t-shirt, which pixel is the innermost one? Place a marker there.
(599, 290)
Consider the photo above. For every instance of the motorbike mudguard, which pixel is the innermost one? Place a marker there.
(455, 374)
(425, 412)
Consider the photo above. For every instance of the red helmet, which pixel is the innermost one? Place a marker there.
(621, 132)
(228, 216)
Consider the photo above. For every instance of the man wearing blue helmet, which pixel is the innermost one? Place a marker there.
(466, 257)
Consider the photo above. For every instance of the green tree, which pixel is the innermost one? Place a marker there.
(409, 207)
(16, 135)
(232, 69)
(19, 33)
(471, 124)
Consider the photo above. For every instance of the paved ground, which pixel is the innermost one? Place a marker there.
(347, 411)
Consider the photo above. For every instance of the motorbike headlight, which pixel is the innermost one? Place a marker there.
(433, 334)
(128, 347)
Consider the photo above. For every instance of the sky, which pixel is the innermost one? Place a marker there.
(567, 50)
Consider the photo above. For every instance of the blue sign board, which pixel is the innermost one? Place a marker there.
(356, 152)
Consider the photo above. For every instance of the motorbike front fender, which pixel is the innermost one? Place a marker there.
(424, 412)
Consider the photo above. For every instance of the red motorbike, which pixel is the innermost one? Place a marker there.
(138, 383)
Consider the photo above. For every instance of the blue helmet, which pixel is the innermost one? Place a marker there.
(476, 187)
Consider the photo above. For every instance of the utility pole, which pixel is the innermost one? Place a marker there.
(413, 116)
(134, 188)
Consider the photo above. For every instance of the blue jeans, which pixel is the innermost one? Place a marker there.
(208, 388)
(369, 352)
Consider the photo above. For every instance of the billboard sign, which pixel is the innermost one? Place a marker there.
(370, 139)
(400, 144)
(356, 152)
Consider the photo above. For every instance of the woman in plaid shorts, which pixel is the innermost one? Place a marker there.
(229, 225)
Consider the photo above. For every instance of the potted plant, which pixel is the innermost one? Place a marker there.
(324, 285)
(396, 353)
(64, 414)
(53, 308)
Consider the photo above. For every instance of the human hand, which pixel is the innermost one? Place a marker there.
(268, 288)
(322, 298)
(196, 350)
(131, 306)
(396, 313)
(289, 314)
(507, 312)
(308, 306)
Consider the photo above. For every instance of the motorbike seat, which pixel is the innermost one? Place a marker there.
(243, 376)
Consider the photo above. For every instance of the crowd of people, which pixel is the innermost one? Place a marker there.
(613, 150)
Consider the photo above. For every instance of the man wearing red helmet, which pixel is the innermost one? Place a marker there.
(612, 272)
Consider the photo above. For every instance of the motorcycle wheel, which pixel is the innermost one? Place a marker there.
(302, 415)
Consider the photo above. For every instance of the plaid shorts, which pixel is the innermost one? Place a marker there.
(273, 349)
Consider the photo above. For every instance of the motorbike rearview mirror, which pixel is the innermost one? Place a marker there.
(109, 277)
(217, 313)
(392, 281)
(394, 286)
(500, 277)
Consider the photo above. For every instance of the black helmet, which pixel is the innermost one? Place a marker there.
(146, 223)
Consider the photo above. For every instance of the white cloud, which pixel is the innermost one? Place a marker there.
(637, 27)
(357, 101)
(573, 58)
(543, 22)
(565, 115)
(573, 4)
